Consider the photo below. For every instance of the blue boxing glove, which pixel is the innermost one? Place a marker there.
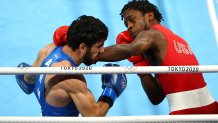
(25, 86)
(113, 85)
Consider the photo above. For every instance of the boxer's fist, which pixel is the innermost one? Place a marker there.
(60, 36)
(113, 85)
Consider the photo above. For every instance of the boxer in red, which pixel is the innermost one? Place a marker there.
(147, 42)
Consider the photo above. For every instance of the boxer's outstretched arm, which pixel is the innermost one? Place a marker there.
(115, 53)
(139, 45)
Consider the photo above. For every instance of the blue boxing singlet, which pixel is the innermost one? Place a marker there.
(56, 55)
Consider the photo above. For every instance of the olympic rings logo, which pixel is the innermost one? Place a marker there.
(130, 69)
(22, 68)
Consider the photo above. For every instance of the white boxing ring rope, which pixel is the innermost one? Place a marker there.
(103, 70)
(121, 119)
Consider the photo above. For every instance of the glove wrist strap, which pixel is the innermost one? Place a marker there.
(109, 95)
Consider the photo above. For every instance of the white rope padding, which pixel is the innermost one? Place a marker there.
(121, 119)
(103, 70)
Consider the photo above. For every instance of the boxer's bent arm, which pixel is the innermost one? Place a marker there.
(31, 78)
(85, 101)
(42, 54)
(152, 88)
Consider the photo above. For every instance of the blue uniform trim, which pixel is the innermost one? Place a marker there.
(56, 55)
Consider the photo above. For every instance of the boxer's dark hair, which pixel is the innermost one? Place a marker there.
(87, 30)
(143, 6)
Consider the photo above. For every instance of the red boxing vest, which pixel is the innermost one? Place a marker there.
(178, 54)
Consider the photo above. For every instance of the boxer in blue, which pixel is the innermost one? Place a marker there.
(68, 95)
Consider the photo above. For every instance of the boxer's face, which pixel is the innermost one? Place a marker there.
(135, 21)
(92, 54)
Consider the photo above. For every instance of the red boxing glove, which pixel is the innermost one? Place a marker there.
(135, 59)
(60, 36)
(124, 38)
(142, 63)
(139, 61)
